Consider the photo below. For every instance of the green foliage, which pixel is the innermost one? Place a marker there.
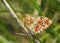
(28, 6)
(1, 41)
(4, 30)
(36, 6)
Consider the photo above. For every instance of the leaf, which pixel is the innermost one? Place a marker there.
(55, 5)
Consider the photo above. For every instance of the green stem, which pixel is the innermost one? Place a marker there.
(33, 2)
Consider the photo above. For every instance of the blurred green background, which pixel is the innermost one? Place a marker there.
(47, 8)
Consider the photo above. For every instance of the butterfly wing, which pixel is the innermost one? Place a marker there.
(48, 22)
(37, 24)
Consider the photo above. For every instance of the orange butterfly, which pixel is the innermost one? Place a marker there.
(37, 24)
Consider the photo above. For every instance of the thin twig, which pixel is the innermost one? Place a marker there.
(56, 17)
(13, 14)
(22, 34)
(46, 7)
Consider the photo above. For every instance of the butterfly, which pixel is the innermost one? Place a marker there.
(37, 24)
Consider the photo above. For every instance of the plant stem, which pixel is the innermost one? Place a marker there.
(13, 14)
